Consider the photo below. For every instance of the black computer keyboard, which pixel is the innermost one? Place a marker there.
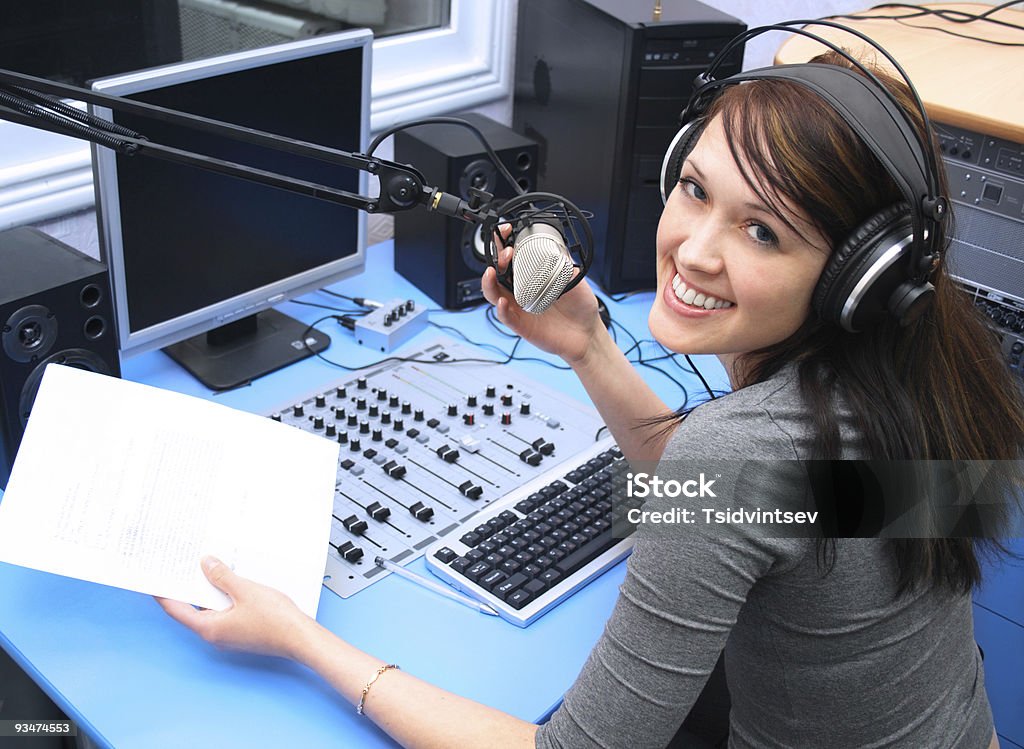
(548, 539)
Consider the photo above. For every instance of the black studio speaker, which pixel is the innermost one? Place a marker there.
(55, 306)
(444, 256)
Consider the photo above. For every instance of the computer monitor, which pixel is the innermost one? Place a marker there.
(198, 259)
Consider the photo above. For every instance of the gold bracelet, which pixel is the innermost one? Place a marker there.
(366, 689)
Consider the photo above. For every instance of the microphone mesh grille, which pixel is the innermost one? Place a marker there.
(539, 278)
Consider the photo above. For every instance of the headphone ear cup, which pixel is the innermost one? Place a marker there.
(678, 150)
(860, 277)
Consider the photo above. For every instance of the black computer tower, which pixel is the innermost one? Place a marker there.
(600, 85)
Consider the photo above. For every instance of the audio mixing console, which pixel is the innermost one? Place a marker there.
(425, 446)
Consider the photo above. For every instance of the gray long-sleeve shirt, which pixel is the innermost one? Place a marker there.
(813, 660)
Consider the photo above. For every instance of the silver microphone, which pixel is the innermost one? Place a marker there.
(541, 267)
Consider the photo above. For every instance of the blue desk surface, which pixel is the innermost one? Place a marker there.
(131, 677)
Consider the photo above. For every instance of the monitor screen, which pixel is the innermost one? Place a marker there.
(192, 251)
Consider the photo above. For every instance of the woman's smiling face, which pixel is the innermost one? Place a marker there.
(732, 277)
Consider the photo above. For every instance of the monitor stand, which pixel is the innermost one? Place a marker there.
(239, 352)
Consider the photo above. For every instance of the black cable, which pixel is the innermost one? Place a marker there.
(953, 15)
(403, 359)
(640, 361)
(627, 294)
(359, 312)
(701, 377)
(340, 296)
(950, 15)
(466, 338)
(451, 121)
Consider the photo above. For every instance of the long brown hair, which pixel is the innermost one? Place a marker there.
(936, 389)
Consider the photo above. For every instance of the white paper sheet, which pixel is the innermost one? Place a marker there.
(128, 485)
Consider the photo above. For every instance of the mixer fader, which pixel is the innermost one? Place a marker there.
(425, 445)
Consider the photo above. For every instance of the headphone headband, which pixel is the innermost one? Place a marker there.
(889, 131)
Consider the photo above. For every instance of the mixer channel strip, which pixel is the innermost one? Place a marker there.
(426, 447)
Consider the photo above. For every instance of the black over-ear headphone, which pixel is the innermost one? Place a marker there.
(883, 266)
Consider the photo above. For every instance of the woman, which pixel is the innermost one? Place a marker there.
(849, 642)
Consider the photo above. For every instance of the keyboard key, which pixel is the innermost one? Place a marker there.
(445, 555)
(532, 570)
(510, 566)
(544, 561)
(534, 587)
(477, 570)
(519, 598)
(470, 539)
(492, 579)
(513, 583)
(556, 554)
(522, 557)
(460, 565)
(586, 553)
(550, 577)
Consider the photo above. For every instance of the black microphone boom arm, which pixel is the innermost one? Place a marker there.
(35, 102)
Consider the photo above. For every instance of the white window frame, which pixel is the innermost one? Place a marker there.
(463, 65)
